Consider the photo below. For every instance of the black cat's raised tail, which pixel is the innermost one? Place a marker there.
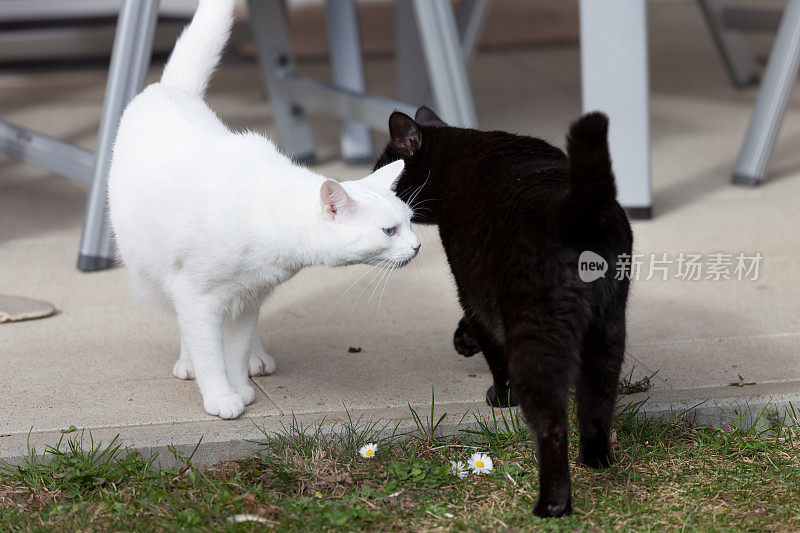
(591, 181)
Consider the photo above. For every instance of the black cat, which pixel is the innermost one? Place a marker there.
(514, 215)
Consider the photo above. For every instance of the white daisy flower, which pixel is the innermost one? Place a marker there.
(480, 463)
(368, 450)
(459, 469)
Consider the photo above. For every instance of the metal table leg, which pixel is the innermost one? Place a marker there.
(614, 80)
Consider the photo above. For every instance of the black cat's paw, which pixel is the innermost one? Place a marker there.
(595, 452)
(546, 508)
(463, 341)
(596, 456)
(501, 397)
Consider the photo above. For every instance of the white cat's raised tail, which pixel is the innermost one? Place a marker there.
(210, 221)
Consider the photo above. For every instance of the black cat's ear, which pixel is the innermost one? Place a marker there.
(405, 133)
(426, 117)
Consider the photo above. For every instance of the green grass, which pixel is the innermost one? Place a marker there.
(670, 474)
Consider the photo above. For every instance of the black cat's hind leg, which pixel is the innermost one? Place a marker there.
(463, 339)
(543, 352)
(503, 397)
(596, 391)
(500, 393)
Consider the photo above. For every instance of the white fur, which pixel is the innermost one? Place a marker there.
(209, 221)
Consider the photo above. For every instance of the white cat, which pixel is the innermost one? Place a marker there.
(209, 221)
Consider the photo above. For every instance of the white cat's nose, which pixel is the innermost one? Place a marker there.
(417, 247)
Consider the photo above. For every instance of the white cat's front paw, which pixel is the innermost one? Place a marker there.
(246, 393)
(224, 405)
(183, 369)
(260, 365)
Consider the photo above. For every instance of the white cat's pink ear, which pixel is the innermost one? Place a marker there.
(387, 176)
(335, 200)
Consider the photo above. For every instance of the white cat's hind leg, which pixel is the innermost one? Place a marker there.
(260, 363)
(200, 321)
(183, 368)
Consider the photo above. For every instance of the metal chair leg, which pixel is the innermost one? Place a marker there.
(269, 31)
(470, 18)
(446, 69)
(768, 111)
(412, 78)
(732, 47)
(140, 62)
(129, 60)
(348, 72)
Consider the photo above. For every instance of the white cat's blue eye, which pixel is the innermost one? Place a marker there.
(390, 232)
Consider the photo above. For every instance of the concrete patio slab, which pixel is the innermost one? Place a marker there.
(103, 362)
(111, 404)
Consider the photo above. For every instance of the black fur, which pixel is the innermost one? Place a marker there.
(464, 340)
(514, 214)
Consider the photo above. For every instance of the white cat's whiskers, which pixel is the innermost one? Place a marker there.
(414, 194)
(389, 271)
(419, 189)
(401, 193)
(392, 270)
(415, 207)
(359, 278)
(417, 204)
(377, 285)
(425, 200)
(381, 264)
